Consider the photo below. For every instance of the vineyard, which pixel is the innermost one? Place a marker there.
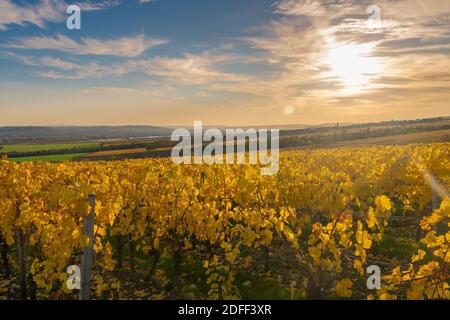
(166, 231)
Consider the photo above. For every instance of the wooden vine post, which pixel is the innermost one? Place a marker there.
(22, 260)
(88, 251)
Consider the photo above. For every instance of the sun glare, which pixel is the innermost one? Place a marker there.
(352, 65)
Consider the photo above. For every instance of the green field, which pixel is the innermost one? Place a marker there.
(47, 147)
(51, 158)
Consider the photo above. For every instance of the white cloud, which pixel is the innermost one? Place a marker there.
(189, 69)
(72, 70)
(297, 48)
(109, 90)
(43, 11)
(317, 8)
(87, 70)
(47, 62)
(125, 47)
(401, 19)
(186, 70)
(96, 5)
(306, 8)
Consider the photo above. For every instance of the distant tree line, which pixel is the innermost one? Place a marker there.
(349, 134)
(101, 147)
(288, 138)
(369, 125)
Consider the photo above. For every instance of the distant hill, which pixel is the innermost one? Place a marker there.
(34, 134)
(224, 127)
(78, 133)
(281, 127)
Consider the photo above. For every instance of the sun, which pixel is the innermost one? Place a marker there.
(352, 65)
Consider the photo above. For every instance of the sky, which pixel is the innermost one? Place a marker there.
(223, 62)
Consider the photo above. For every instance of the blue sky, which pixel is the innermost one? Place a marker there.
(235, 62)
